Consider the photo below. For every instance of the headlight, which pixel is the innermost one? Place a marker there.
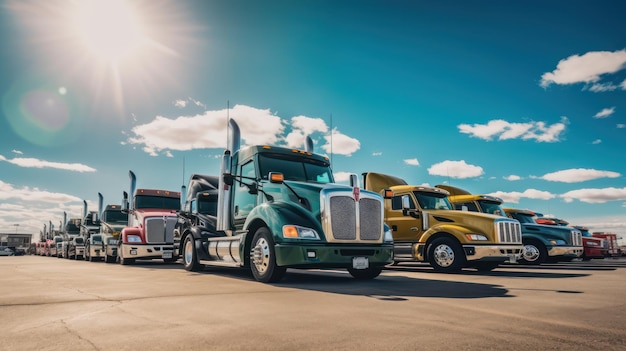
(133, 239)
(558, 242)
(475, 237)
(591, 243)
(297, 232)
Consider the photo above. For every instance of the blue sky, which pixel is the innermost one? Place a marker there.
(525, 100)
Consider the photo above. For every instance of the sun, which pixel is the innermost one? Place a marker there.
(110, 29)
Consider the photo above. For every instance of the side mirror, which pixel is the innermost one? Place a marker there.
(253, 188)
(228, 179)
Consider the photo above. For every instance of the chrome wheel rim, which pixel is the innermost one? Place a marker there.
(444, 255)
(530, 253)
(188, 254)
(260, 255)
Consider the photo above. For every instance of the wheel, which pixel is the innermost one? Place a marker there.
(263, 258)
(87, 256)
(534, 253)
(190, 256)
(486, 266)
(446, 255)
(363, 274)
(108, 258)
(123, 261)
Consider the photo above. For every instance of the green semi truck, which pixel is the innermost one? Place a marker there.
(279, 208)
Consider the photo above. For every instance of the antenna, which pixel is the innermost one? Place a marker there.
(331, 139)
(227, 120)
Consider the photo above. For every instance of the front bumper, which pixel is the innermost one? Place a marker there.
(147, 251)
(95, 251)
(331, 256)
(503, 253)
(565, 251)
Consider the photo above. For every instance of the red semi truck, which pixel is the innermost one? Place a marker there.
(611, 239)
(152, 216)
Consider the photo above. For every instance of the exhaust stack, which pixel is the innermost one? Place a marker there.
(100, 204)
(133, 186)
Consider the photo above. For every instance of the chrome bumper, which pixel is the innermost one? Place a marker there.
(570, 251)
(508, 253)
(147, 251)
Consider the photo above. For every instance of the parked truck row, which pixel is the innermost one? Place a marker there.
(270, 208)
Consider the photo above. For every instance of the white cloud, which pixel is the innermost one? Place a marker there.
(620, 125)
(18, 152)
(576, 175)
(258, 127)
(180, 103)
(602, 87)
(377, 154)
(341, 177)
(455, 169)
(595, 196)
(606, 112)
(341, 144)
(596, 142)
(9, 192)
(412, 162)
(513, 177)
(207, 130)
(37, 163)
(515, 196)
(504, 130)
(586, 68)
(623, 85)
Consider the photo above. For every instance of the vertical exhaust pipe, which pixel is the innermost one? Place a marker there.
(308, 144)
(133, 185)
(84, 210)
(224, 196)
(100, 204)
(183, 197)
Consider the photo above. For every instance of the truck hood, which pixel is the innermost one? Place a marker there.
(473, 219)
(542, 228)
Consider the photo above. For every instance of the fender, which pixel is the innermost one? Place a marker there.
(276, 214)
(456, 231)
(130, 231)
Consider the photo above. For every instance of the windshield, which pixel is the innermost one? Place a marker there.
(491, 207)
(96, 239)
(523, 218)
(432, 201)
(295, 168)
(72, 228)
(115, 216)
(167, 203)
(207, 205)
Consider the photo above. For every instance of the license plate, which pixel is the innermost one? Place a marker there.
(167, 254)
(360, 263)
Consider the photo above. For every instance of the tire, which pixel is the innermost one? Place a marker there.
(86, 255)
(123, 261)
(446, 255)
(534, 253)
(190, 256)
(263, 258)
(486, 266)
(365, 274)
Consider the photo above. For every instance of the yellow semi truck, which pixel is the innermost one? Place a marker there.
(426, 228)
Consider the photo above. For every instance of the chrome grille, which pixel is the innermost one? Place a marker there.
(345, 220)
(509, 231)
(577, 238)
(160, 229)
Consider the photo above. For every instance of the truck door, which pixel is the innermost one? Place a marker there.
(405, 228)
(243, 201)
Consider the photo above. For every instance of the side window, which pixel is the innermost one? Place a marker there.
(244, 201)
(396, 203)
(194, 206)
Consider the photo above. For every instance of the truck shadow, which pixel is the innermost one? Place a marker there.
(502, 271)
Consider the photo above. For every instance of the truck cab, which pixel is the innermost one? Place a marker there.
(426, 228)
(76, 248)
(279, 208)
(152, 216)
(593, 247)
(112, 221)
(544, 243)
